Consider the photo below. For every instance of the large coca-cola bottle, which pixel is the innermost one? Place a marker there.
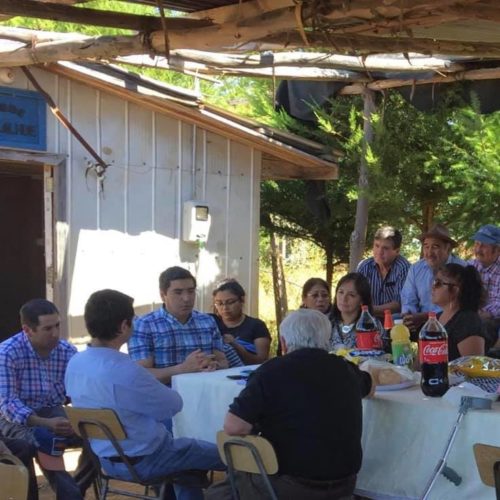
(433, 354)
(367, 331)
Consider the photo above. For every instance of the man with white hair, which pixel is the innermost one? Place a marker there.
(307, 403)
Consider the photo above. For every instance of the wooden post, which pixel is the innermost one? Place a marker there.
(279, 285)
(358, 236)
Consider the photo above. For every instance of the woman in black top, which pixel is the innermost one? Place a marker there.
(248, 336)
(459, 292)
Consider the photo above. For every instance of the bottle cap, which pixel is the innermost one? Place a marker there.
(398, 321)
(388, 322)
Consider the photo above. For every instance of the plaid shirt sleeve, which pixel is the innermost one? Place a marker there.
(141, 345)
(11, 406)
(493, 286)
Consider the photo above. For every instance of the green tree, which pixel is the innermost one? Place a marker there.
(442, 165)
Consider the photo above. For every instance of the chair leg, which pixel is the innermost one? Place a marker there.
(232, 479)
(104, 489)
(496, 473)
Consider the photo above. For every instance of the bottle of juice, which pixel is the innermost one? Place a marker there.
(401, 347)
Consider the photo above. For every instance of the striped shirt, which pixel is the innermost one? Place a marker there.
(386, 289)
(490, 277)
(161, 336)
(29, 382)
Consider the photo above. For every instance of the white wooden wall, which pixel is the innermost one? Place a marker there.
(124, 236)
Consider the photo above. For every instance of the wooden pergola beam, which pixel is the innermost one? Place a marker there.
(477, 74)
(365, 45)
(94, 17)
(103, 47)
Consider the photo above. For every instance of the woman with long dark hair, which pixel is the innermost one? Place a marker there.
(353, 291)
(248, 336)
(458, 290)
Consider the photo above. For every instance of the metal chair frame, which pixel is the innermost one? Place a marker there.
(90, 427)
(230, 442)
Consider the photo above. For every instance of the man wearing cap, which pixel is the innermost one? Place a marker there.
(103, 377)
(386, 271)
(487, 262)
(416, 300)
(32, 366)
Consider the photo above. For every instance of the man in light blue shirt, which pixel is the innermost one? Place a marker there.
(103, 377)
(416, 299)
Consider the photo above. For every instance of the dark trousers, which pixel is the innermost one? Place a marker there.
(67, 487)
(251, 487)
(25, 452)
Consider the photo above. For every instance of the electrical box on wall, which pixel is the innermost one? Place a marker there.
(195, 221)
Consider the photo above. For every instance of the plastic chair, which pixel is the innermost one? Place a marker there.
(105, 424)
(14, 478)
(253, 454)
(488, 465)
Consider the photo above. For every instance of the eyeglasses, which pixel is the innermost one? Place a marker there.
(317, 295)
(229, 302)
(437, 283)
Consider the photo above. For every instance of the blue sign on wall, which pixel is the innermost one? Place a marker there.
(23, 119)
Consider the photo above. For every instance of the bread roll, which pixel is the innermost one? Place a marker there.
(386, 376)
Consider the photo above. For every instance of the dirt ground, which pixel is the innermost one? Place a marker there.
(71, 459)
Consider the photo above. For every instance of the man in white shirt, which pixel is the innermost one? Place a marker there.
(103, 377)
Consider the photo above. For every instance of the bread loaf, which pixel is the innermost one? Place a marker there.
(386, 376)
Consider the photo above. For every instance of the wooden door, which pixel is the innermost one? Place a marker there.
(22, 244)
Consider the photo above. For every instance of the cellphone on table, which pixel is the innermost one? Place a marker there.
(237, 377)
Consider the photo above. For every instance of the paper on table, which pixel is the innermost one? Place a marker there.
(454, 394)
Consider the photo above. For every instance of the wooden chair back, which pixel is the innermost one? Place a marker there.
(103, 416)
(14, 478)
(486, 457)
(241, 450)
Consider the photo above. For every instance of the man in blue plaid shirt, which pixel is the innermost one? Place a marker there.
(175, 338)
(32, 392)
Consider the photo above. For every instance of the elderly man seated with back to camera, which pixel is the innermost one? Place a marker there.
(307, 403)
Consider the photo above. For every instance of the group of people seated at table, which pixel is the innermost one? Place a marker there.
(465, 296)
(39, 371)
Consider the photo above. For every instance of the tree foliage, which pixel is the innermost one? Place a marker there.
(442, 165)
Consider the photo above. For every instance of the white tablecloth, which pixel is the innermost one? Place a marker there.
(404, 435)
(206, 399)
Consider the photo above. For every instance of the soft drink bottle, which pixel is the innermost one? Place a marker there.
(388, 324)
(367, 332)
(401, 347)
(433, 355)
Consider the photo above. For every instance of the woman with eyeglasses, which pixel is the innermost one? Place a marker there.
(353, 291)
(248, 336)
(316, 295)
(459, 292)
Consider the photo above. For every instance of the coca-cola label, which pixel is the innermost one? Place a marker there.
(368, 340)
(433, 351)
